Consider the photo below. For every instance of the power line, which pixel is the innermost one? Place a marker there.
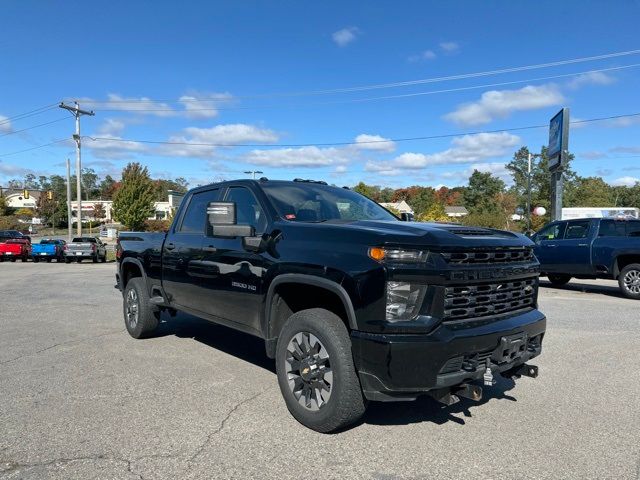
(369, 99)
(34, 126)
(405, 83)
(338, 144)
(34, 148)
(30, 113)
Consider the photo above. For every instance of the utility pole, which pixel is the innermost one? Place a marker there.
(77, 113)
(253, 173)
(69, 221)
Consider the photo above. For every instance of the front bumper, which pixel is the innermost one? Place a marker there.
(404, 366)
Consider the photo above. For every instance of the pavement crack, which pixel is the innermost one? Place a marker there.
(10, 466)
(212, 434)
(51, 347)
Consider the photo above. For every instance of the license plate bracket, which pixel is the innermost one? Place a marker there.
(511, 348)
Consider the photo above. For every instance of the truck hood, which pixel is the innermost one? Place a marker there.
(424, 234)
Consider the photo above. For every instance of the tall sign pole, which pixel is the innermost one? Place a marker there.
(558, 153)
(77, 113)
(69, 220)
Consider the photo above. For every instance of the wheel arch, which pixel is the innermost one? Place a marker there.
(282, 289)
(623, 260)
(130, 268)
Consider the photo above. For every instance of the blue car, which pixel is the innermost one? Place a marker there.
(48, 249)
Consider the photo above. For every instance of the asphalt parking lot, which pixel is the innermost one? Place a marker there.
(79, 398)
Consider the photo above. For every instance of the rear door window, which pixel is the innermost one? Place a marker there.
(612, 228)
(633, 228)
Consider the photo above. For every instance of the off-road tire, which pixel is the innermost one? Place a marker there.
(148, 316)
(630, 290)
(558, 279)
(346, 404)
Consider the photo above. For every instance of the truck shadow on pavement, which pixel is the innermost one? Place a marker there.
(576, 286)
(251, 349)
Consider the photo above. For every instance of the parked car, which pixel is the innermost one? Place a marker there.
(48, 249)
(352, 303)
(81, 248)
(15, 248)
(591, 248)
(7, 234)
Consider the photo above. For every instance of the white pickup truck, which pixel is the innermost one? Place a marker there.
(85, 247)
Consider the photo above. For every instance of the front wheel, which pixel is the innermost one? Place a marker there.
(629, 281)
(140, 318)
(316, 373)
(558, 279)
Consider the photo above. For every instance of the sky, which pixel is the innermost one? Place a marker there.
(334, 91)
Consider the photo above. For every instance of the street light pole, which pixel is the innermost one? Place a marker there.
(253, 173)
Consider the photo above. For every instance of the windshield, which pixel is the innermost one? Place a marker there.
(84, 240)
(308, 202)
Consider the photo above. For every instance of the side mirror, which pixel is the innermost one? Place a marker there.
(406, 217)
(222, 219)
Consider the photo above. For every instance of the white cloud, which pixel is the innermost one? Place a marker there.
(374, 142)
(203, 105)
(449, 47)
(10, 170)
(423, 56)
(340, 169)
(625, 181)
(192, 142)
(632, 150)
(593, 155)
(141, 105)
(501, 103)
(110, 127)
(466, 149)
(220, 135)
(345, 36)
(591, 78)
(298, 157)
(5, 125)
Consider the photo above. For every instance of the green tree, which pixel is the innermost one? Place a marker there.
(134, 201)
(3, 206)
(590, 192)
(480, 195)
(369, 191)
(627, 196)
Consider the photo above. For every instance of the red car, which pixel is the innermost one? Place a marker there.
(15, 248)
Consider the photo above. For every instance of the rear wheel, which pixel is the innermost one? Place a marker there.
(36, 259)
(140, 318)
(558, 279)
(629, 281)
(24, 258)
(13, 259)
(316, 373)
(79, 259)
(48, 259)
(67, 260)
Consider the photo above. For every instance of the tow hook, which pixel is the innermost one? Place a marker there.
(488, 375)
(524, 370)
(452, 396)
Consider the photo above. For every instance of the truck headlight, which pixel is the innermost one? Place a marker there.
(404, 300)
(397, 255)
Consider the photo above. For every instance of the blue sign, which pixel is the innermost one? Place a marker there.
(558, 138)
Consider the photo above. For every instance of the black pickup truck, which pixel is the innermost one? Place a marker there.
(591, 248)
(352, 303)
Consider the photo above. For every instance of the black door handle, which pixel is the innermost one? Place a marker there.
(169, 246)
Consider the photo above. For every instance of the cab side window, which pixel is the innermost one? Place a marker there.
(552, 232)
(578, 229)
(195, 217)
(248, 209)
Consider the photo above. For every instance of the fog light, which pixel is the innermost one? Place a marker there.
(404, 300)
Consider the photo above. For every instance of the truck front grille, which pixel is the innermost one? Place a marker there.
(507, 255)
(473, 301)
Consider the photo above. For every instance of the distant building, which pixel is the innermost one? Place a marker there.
(162, 210)
(402, 206)
(15, 198)
(456, 212)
